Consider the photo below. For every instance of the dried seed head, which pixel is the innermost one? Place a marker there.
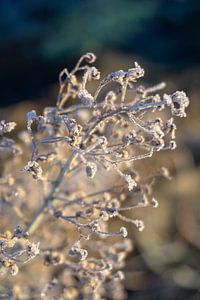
(53, 258)
(19, 232)
(154, 203)
(34, 169)
(131, 182)
(172, 145)
(179, 103)
(123, 232)
(111, 97)
(91, 169)
(57, 213)
(103, 142)
(167, 99)
(94, 73)
(32, 249)
(135, 73)
(119, 276)
(139, 225)
(157, 143)
(80, 253)
(13, 269)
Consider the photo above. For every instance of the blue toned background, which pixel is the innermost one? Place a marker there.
(39, 37)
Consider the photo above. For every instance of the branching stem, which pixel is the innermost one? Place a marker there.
(55, 185)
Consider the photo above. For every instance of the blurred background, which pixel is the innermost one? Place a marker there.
(38, 38)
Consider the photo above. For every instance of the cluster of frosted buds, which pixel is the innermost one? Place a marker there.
(15, 249)
(107, 130)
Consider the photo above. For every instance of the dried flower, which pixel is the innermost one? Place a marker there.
(104, 131)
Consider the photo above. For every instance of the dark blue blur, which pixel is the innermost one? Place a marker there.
(39, 37)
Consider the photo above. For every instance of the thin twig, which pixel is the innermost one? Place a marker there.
(41, 212)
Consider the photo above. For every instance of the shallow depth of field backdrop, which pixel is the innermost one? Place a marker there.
(40, 37)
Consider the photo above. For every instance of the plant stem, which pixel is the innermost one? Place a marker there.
(55, 185)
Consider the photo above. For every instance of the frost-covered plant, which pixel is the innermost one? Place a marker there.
(83, 161)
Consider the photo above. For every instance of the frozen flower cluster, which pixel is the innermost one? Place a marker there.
(80, 155)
